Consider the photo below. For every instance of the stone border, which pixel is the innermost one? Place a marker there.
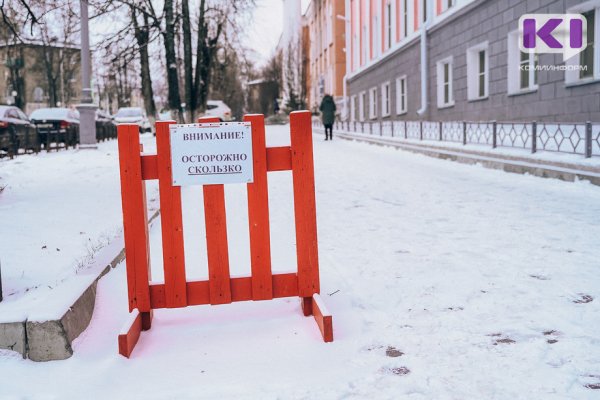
(540, 168)
(49, 340)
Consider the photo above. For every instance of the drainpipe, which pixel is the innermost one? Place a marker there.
(424, 75)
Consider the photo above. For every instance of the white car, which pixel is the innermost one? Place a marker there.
(216, 108)
(133, 115)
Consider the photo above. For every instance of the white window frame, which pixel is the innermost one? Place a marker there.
(441, 103)
(373, 103)
(572, 76)
(388, 18)
(353, 108)
(473, 72)
(514, 67)
(362, 97)
(447, 4)
(401, 95)
(385, 99)
(407, 6)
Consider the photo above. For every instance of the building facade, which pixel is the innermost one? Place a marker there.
(327, 56)
(34, 75)
(473, 68)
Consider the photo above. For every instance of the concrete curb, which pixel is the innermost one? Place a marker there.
(520, 165)
(45, 340)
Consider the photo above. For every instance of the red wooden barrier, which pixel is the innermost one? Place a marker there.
(220, 288)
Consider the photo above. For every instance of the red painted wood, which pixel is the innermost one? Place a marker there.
(324, 320)
(284, 285)
(149, 167)
(147, 318)
(135, 218)
(304, 203)
(306, 303)
(128, 340)
(171, 222)
(279, 158)
(258, 214)
(216, 239)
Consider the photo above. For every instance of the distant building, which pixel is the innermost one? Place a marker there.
(34, 75)
(290, 46)
(327, 55)
(460, 60)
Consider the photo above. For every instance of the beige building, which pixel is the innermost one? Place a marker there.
(327, 56)
(34, 75)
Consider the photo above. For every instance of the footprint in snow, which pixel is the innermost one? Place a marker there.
(393, 352)
(396, 370)
(552, 334)
(583, 298)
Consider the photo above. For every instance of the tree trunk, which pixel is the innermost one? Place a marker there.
(171, 59)
(190, 95)
(142, 35)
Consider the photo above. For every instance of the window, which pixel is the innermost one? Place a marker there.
(522, 67)
(363, 44)
(388, 30)
(478, 72)
(405, 17)
(353, 108)
(586, 65)
(362, 100)
(373, 103)
(401, 90)
(424, 2)
(385, 99)
(376, 33)
(445, 96)
(586, 57)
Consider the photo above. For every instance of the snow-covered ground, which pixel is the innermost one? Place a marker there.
(56, 210)
(445, 281)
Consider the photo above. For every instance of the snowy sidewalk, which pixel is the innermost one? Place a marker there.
(57, 210)
(447, 281)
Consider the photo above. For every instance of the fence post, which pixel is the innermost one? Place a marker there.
(405, 129)
(588, 142)
(464, 132)
(494, 134)
(370, 128)
(421, 130)
(441, 130)
(533, 137)
(380, 128)
(392, 127)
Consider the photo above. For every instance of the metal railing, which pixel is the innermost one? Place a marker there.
(573, 138)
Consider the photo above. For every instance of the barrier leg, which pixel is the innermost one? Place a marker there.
(130, 333)
(316, 307)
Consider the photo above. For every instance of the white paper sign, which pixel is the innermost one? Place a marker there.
(211, 153)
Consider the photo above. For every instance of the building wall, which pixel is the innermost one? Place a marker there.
(327, 54)
(34, 75)
(469, 25)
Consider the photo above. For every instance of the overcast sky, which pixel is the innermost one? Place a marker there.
(266, 27)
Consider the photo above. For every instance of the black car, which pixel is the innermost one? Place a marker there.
(16, 131)
(56, 126)
(105, 126)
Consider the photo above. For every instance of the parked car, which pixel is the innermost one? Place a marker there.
(105, 126)
(16, 131)
(217, 108)
(56, 126)
(133, 115)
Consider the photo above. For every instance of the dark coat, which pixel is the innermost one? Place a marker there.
(328, 110)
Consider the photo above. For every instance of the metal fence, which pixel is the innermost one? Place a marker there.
(574, 138)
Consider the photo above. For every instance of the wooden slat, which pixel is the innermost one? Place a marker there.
(279, 158)
(130, 333)
(323, 318)
(304, 203)
(135, 218)
(258, 214)
(171, 221)
(284, 285)
(216, 239)
(149, 167)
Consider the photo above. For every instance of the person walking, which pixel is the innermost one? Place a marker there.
(328, 115)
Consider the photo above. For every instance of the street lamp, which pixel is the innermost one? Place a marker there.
(87, 109)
